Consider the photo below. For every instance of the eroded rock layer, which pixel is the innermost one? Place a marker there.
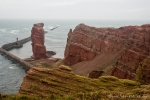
(89, 48)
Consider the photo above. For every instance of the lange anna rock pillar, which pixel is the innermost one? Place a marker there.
(37, 38)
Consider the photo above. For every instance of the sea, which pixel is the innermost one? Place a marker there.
(12, 73)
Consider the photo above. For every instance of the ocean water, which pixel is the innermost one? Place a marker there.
(11, 73)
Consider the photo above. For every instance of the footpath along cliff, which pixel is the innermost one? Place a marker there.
(124, 49)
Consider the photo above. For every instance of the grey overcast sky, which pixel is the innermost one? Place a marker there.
(75, 9)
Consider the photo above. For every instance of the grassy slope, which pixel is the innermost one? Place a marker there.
(62, 84)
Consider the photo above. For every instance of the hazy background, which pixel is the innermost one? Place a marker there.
(75, 9)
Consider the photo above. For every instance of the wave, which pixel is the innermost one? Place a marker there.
(2, 30)
(54, 40)
(51, 27)
(25, 28)
(47, 27)
(14, 31)
(11, 67)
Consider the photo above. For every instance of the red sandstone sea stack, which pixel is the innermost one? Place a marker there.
(37, 38)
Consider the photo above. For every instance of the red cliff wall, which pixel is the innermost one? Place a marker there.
(137, 50)
(89, 48)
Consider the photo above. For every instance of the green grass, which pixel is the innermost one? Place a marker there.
(62, 84)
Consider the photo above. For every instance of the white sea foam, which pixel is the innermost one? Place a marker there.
(53, 39)
(11, 67)
(2, 30)
(47, 27)
(14, 31)
(51, 27)
(25, 28)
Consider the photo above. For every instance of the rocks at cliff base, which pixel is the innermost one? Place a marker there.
(37, 38)
(89, 48)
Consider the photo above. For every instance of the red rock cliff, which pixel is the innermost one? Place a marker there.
(137, 49)
(89, 48)
(37, 38)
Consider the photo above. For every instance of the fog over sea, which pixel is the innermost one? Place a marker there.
(11, 73)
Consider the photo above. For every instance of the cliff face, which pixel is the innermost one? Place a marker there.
(137, 50)
(89, 48)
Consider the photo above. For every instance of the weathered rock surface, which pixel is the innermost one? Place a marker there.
(37, 38)
(137, 49)
(89, 48)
